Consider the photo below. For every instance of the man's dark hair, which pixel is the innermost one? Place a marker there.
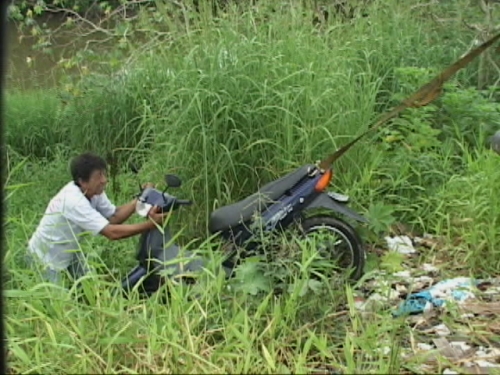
(83, 165)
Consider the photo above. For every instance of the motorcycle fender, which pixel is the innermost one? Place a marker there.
(325, 201)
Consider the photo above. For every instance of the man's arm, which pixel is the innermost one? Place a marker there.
(117, 215)
(123, 212)
(81, 213)
(120, 231)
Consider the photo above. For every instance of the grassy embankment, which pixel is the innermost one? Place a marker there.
(228, 109)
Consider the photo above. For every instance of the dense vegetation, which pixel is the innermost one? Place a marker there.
(229, 104)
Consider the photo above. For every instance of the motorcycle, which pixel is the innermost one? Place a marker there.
(285, 201)
(290, 201)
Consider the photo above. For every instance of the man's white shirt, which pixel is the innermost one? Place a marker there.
(68, 215)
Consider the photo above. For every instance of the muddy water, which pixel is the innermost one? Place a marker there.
(28, 68)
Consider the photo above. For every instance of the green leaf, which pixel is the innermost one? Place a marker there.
(315, 286)
(258, 284)
(372, 262)
(380, 217)
(251, 279)
(38, 9)
(392, 261)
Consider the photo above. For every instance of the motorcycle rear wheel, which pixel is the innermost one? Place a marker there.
(355, 248)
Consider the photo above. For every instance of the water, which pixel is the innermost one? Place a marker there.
(27, 68)
(35, 69)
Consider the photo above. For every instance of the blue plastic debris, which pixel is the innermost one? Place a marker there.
(458, 289)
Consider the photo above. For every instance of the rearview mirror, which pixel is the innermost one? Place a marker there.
(173, 180)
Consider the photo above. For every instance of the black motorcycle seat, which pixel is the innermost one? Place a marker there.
(240, 212)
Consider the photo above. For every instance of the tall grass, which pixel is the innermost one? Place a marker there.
(211, 328)
(233, 105)
(34, 123)
(229, 107)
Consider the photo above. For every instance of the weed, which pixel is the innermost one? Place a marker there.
(228, 108)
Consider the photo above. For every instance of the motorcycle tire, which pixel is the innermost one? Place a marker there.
(347, 232)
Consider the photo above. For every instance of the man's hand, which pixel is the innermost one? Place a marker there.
(157, 216)
(123, 213)
(119, 231)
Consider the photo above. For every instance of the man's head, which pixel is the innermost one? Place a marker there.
(89, 172)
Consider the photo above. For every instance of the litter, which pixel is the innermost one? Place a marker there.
(437, 296)
(424, 347)
(400, 244)
(403, 274)
(429, 268)
(416, 291)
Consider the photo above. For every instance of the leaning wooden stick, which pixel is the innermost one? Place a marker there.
(425, 95)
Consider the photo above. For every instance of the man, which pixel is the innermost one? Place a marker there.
(82, 206)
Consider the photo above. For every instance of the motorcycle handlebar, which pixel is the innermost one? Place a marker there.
(165, 201)
(184, 202)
